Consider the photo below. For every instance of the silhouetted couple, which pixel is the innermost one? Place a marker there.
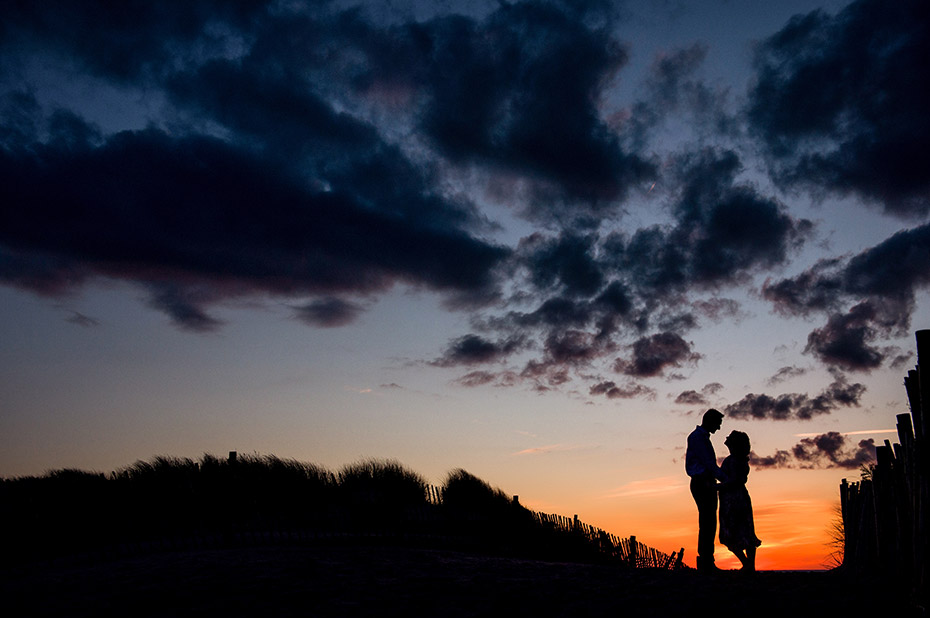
(737, 530)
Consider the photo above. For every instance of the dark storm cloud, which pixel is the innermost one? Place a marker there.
(731, 227)
(840, 103)
(594, 290)
(723, 230)
(183, 305)
(328, 312)
(473, 349)
(797, 406)
(654, 354)
(149, 206)
(517, 91)
(45, 275)
(262, 185)
(287, 121)
(879, 287)
(829, 450)
(846, 340)
(816, 289)
(279, 109)
(322, 153)
(566, 261)
(130, 41)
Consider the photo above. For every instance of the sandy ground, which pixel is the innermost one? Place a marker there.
(391, 581)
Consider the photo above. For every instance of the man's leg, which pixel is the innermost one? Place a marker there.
(705, 496)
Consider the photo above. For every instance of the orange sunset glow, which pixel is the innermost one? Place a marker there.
(529, 242)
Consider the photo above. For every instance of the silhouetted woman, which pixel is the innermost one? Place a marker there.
(737, 530)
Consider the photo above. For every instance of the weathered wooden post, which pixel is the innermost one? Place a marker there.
(633, 551)
(923, 372)
(921, 486)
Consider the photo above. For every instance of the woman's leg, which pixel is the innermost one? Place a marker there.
(750, 563)
(739, 554)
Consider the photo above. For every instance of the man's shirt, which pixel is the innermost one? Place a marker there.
(700, 458)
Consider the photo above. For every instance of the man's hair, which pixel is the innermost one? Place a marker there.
(712, 414)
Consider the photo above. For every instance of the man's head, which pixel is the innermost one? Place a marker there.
(712, 420)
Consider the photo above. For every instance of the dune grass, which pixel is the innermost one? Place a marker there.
(172, 499)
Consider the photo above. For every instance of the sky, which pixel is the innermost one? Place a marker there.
(533, 240)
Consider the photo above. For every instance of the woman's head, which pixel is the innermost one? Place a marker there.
(738, 443)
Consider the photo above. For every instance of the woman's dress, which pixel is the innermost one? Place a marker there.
(737, 530)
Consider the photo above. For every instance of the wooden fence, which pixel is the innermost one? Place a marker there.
(885, 513)
(627, 551)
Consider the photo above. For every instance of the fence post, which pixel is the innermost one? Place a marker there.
(923, 373)
(633, 551)
(921, 486)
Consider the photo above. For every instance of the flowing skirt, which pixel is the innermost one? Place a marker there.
(737, 530)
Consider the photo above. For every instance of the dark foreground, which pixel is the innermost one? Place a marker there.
(391, 581)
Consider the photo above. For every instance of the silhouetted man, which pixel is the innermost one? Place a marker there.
(701, 466)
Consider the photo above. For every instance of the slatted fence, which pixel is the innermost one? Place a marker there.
(627, 551)
(885, 513)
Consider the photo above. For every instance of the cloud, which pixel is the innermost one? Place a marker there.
(517, 92)
(182, 305)
(322, 153)
(878, 285)
(672, 86)
(565, 262)
(328, 312)
(146, 206)
(723, 231)
(648, 487)
(784, 374)
(835, 103)
(692, 397)
(631, 390)
(474, 349)
(654, 354)
(139, 43)
(483, 378)
(80, 319)
(554, 448)
(718, 309)
(797, 406)
(829, 450)
(591, 291)
(260, 186)
(845, 340)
